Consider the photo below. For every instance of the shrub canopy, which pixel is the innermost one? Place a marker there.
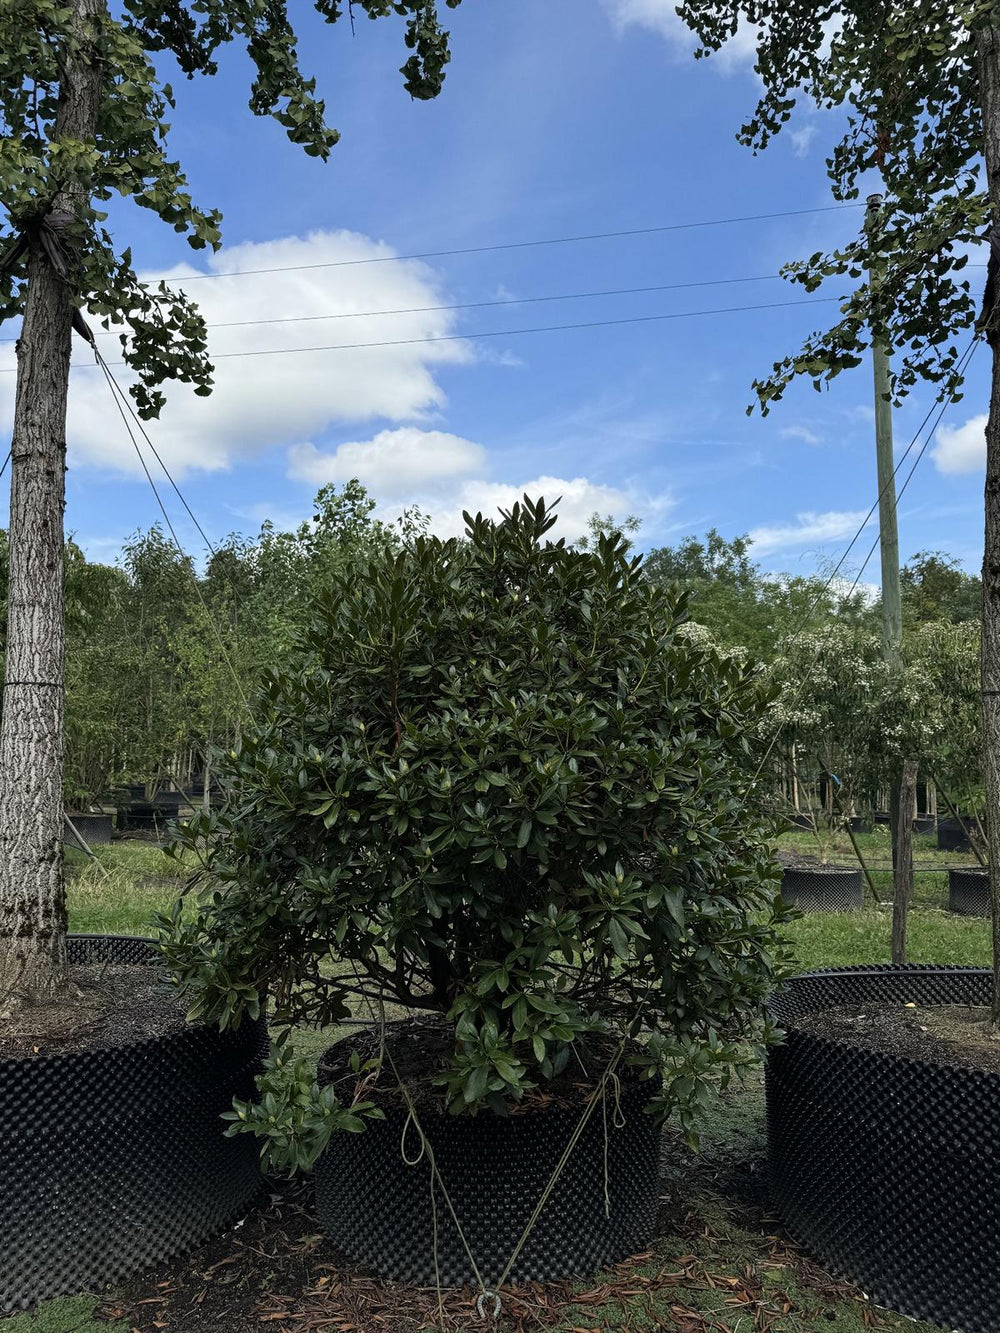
(494, 781)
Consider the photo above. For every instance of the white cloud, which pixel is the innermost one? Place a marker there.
(660, 16)
(263, 400)
(578, 498)
(809, 529)
(445, 475)
(394, 463)
(961, 448)
(802, 433)
(802, 139)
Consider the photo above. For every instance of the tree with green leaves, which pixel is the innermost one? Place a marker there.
(919, 84)
(84, 118)
(740, 604)
(936, 587)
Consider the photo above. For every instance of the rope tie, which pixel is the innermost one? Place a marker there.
(414, 1161)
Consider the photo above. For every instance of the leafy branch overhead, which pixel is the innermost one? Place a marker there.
(905, 74)
(163, 335)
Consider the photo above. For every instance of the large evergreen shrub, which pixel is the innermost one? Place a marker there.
(494, 782)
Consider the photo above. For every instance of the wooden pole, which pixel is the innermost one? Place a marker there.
(902, 874)
(892, 604)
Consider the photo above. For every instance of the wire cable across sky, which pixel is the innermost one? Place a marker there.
(519, 245)
(494, 333)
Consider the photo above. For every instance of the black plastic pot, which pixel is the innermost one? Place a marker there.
(143, 817)
(882, 1165)
(96, 830)
(953, 836)
(114, 1159)
(924, 824)
(801, 820)
(377, 1209)
(858, 824)
(823, 889)
(168, 801)
(969, 891)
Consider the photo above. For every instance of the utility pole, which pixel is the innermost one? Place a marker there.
(901, 820)
(892, 606)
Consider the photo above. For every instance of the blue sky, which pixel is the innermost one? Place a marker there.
(556, 119)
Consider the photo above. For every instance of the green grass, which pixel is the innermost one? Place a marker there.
(837, 939)
(119, 893)
(70, 1314)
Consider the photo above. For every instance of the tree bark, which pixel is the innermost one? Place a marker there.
(32, 890)
(988, 59)
(903, 867)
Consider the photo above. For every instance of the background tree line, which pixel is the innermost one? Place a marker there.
(163, 654)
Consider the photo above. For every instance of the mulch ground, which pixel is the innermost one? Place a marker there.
(275, 1272)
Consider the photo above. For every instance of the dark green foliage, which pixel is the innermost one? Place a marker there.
(904, 72)
(493, 780)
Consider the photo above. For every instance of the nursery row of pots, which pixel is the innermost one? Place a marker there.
(135, 1168)
(859, 824)
(876, 1162)
(822, 888)
(98, 827)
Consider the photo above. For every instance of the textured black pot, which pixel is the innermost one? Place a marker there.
(96, 830)
(377, 1210)
(969, 891)
(800, 820)
(143, 817)
(953, 836)
(115, 1159)
(883, 1165)
(830, 889)
(168, 801)
(924, 824)
(858, 824)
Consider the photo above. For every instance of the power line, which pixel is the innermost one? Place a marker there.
(496, 333)
(102, 364)
(125, 401)
(470, 305)
(518, 245)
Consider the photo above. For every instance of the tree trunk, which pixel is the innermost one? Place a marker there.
(988, 57)
(32, 891)
(903, 866)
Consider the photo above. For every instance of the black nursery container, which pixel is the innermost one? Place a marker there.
(95, 829)
(953, 836)
(883, 1166)
(377, 1209)
(114, 1159)
(823, 888)
(969, 891)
